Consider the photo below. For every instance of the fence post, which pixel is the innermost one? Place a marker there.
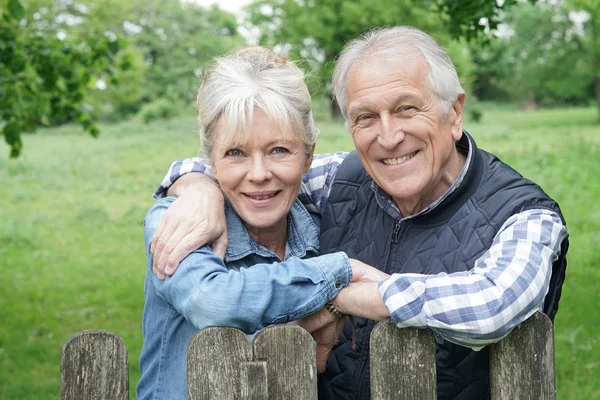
(522, 364)
(402, 363)
(291, 361)
(213, 363)
(94, 365)
(253, 380)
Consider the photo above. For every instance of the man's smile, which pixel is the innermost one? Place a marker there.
(399, 160)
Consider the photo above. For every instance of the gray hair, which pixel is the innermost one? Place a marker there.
(401, 42)
(248, 79)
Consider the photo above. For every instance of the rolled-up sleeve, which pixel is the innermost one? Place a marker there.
(207, 293)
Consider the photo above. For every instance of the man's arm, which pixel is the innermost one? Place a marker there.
(478, 307)
(207, 293)
(197, 218)
(183, 228)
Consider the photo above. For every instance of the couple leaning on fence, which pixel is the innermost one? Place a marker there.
(417, 224)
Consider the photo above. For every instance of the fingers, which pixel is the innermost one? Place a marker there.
(158, 240)
(316, 321)
(322, 356)
(219, 245)
(183, 248)
(174, 241)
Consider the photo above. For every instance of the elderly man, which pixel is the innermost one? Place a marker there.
(472, 248)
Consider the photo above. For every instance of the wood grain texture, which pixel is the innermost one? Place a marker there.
(253, 380)
(94, 366)
(522, 364)
(402, 363)
(213, 362)
(291, 362)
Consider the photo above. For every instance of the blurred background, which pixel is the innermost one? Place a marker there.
(126, 71)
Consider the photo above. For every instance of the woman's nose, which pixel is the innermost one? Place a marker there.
(259, 169)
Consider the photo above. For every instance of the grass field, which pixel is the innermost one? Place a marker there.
(71, 239)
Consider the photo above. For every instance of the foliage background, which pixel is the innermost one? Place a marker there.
(71, 207)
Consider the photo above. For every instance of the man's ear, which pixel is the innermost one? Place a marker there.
(458, 109)
(309, 158)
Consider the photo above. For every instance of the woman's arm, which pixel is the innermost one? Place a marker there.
(207, 293)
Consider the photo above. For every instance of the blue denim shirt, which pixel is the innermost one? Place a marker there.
(251, 289)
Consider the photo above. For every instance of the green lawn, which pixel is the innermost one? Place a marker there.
(71, 240)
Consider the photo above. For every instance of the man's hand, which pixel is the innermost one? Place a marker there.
(362, 272)
(325, 328)
(361, 299)
(195, 218)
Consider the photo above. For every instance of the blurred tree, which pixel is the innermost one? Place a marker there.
(538, 60)
(592, 45)
(173, 40)
(316, 30)
(44, 73)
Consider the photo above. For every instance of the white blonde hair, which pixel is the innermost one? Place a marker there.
(401, 43)
(248, 79)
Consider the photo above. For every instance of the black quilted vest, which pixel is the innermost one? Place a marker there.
(447, 239)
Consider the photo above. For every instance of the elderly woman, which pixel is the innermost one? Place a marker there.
(258, 133)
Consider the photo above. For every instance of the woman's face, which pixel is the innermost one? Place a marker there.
(260, 175)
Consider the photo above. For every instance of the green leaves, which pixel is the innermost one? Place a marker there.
(44, 78)
(16, 9)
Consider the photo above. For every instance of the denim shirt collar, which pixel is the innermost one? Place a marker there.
(303, 235)
(387, 203)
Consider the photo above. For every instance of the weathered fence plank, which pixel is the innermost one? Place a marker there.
(522, 364)
(281, 364)
(214, 361)
(291, 361)
(253, 380)
(94, 366)
(407, 371)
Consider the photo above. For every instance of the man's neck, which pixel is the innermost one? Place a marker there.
(438, 188)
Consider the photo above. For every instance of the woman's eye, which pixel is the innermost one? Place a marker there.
(234, 152)
(279, 150)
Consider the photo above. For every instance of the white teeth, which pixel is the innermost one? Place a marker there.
(400, 160)
(264, 197)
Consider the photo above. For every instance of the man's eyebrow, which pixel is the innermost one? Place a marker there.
(402, 98)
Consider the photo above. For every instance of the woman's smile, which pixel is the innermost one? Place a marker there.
(263, 198)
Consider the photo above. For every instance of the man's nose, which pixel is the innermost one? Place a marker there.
(259, 169)
(390, 133)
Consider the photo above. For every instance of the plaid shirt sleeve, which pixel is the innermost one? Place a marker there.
(505, 287)
(314, 189)
(316, 184)
(180, 168)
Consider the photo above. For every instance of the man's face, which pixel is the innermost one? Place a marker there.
(405, 142)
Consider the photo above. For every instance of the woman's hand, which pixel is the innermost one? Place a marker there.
(196, 218)
(325, 329)
(362, 272)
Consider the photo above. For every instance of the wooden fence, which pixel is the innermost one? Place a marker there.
(280, 364)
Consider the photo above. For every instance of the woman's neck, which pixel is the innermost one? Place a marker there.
(273, 238)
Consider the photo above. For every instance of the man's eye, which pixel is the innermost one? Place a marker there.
(406, 108)
(234, 153)
(279, 150)
(364, 118)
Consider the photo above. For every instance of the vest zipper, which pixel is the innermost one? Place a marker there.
(395, 239)
(396, 234)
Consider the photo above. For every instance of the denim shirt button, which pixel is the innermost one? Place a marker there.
(338, 284)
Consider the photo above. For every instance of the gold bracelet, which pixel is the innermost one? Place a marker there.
(331, 308)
